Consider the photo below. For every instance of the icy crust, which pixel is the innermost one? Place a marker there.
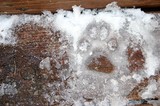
(108, 32)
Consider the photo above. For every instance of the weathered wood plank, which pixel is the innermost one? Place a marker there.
(19, 64)
(36, 6)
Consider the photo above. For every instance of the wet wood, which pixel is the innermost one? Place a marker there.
(101, 64)
(136, 59)
(37, 6)
(134, 94)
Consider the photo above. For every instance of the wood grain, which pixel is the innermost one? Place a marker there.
(19, 64)
(36, 6)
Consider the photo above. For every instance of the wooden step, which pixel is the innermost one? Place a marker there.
(37, 6)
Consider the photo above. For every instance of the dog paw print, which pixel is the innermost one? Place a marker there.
(95, 40)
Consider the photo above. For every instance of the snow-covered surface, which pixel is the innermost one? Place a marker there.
(89, 33)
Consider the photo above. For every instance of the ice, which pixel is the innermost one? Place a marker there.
(8, 89)
(45, 64)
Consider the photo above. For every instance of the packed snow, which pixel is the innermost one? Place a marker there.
(107, 32)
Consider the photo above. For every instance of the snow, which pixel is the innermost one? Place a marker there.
(8, 89)
(92, 33)
(6, 23)
(45, 64)
(107, 32)
(149, 92)
(115, 85)
(112, 44)
(125, 78)
(137, 77)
